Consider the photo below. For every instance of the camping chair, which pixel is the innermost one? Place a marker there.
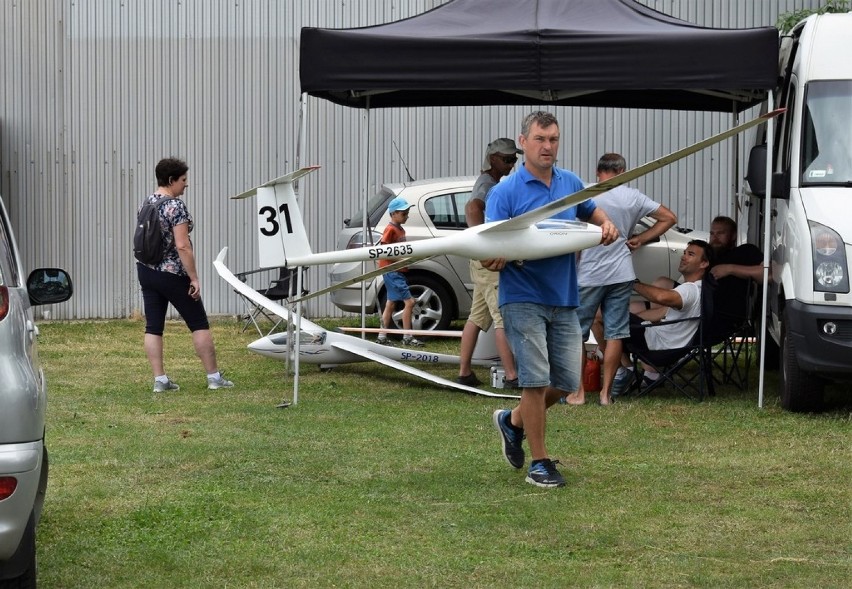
(279, 289)
(688, 369)
(732, 359)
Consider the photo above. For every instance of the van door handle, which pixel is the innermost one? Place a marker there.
(773, 213)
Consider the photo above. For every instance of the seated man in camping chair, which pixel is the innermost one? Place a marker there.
(669, 309)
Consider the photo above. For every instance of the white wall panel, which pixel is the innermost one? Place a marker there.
(94, 92)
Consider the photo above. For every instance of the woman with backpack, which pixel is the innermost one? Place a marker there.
(173, 279)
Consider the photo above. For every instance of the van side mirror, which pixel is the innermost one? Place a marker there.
(756, 175)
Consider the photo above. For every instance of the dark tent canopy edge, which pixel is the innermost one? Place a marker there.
(615, 53)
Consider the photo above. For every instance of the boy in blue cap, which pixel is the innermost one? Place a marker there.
(395, 282)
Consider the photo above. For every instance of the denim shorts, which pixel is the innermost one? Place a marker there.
(546, 343)
(614, 301)
(397, 286)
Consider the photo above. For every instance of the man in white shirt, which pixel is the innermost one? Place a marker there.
(606, 276)
(668, 305)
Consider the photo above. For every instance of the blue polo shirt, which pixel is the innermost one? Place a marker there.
(550, 281)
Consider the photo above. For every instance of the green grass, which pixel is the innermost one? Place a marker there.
(377, 479)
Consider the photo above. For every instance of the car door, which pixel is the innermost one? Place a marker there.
(443, 214)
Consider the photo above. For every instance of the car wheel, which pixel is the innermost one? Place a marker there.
(20, 571)
(433, 306)
(800, 391)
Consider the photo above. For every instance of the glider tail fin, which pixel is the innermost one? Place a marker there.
(281, 231)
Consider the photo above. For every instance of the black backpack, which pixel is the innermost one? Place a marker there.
(148, 246)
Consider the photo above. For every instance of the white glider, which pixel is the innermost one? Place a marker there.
(318, 345)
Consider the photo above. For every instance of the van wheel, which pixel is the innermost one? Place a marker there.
(800, 391)
(433, 306)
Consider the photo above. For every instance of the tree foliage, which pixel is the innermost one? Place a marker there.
(788, 20)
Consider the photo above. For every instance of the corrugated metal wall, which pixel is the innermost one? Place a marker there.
(94, 92)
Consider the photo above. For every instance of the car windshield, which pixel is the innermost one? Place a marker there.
(375, 207)
(826, 140)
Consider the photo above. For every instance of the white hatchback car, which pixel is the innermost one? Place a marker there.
(23, 399)
(442, 286)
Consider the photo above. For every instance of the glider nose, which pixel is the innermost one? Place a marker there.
(267, 346)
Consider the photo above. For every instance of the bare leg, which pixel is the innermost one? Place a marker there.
(531, 415)
(204, 349)
(406, 313)
(470, 334)
(578, 397)
(154, 351)
(387, 316)
(612, 360)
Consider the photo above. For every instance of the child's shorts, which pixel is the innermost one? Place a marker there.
(397, 286)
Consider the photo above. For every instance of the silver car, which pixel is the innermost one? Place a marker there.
(23, 454)
(442, 286)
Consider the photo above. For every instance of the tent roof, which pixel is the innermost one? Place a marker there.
(615, 53)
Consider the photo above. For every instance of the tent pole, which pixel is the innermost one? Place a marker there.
(300, 149)
(735, 171)
(767, 209)
(365, 149)
(298, 335)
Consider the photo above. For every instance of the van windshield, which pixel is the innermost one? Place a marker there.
(827, 134)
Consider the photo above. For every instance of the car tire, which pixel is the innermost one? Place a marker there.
(20, 571)
(433, 307)
(800, 391)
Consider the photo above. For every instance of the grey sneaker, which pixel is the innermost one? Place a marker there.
(383, 340)
(409, 340)
(162, 387)
(218, 383)
(543, 473)
(512, 438)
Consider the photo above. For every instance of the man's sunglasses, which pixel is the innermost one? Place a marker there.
(509, 159)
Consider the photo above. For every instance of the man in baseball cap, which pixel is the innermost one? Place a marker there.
(506, 153)
(500, 157)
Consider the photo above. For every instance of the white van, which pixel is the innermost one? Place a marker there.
(810, 305)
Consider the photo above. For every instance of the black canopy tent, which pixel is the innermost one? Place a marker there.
(601, 53)
(615, 53)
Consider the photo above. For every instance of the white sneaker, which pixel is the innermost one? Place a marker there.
(162, 387)
(214, 383)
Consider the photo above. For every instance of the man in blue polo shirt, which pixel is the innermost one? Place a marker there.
(538, 298)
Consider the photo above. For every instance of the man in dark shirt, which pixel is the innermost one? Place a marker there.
(734, 267)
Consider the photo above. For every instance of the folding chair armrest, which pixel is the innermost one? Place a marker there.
(243, 276)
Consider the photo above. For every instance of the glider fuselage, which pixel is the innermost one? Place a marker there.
(545, 239)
